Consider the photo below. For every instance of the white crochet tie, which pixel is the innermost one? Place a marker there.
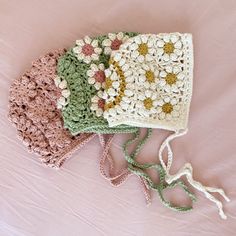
(187, 171)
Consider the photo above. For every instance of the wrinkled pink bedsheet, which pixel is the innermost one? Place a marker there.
(75, 200)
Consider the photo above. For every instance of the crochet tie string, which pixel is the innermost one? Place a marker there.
(187, 171)
(138, 169)
(122, 176)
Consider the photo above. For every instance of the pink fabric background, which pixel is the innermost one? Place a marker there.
(35, 200)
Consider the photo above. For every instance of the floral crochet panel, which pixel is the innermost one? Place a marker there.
(83, 70)
(149, 82)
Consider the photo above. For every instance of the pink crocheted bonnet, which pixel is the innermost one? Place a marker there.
(34, 113)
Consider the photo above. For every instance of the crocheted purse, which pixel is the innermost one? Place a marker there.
(81, 74)
(154, 73)
(33, 111)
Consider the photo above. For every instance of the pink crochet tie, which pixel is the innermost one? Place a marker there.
(123, 174)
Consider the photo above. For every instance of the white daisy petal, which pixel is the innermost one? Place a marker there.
(91, 80)
(117, 57)
(168, 69)
(98, 50)
(106, 42)
(160, 51)
(97, 85)
(107, 50)
(87, 39)
(178, 45)
(160, 43)
(133, 46)
(174, 38)
(65, 93)
(163, 74)
(99, 112)
(173, 56)
(166, 57)
(112, 36)
(144, 38)
(63, 84)
(137, 40)
(80, 42)
(94, 57)
(181, 76)
(120, 35)
(140, 58)
(177, 52)
(166, 38)
(80, 56)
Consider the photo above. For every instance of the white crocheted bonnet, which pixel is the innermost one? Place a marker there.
(149, 82)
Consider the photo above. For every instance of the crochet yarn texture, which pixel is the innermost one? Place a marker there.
(82, 67)
(33, 111)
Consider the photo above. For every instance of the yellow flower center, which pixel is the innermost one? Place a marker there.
(148, 103)
(143, 49)
(122, 87)
(167, 108)
(108, 83)
(169, 48)
(150, 76)
(170, 78)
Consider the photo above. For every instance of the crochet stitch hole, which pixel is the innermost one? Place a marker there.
(143, 49)
(169, 48)
(167, 108)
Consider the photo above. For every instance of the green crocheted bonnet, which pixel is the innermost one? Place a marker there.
(81, 76)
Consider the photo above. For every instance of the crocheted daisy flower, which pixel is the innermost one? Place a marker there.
(113, 42)
(148, 76)
(147, 103)
(169, 47)
(142, 48)
(97, 104)
(96, 75)
(65, 92)
(87, 50)
(171, 78)
(168, 108)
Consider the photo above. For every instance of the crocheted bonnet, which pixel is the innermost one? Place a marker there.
(81, 71)
(154, 73)
(33, 111)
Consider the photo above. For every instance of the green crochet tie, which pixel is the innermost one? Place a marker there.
(139, 169)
